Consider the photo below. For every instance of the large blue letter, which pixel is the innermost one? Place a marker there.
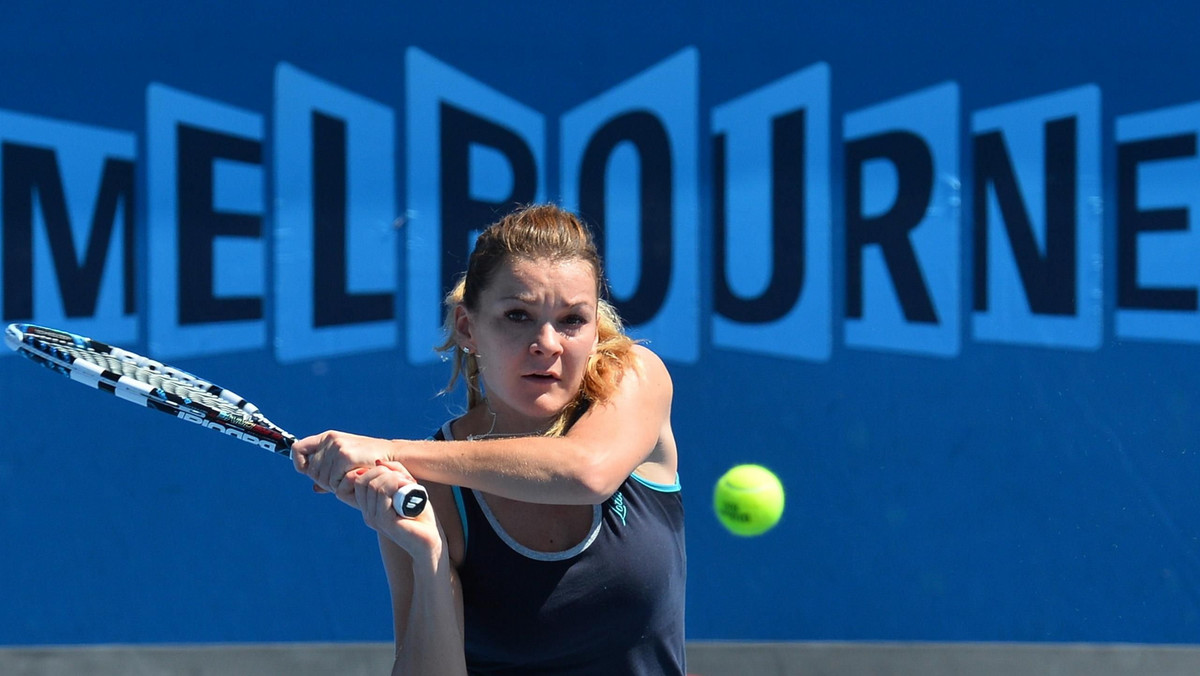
(336, 253)
(206, 199)
(903, 232)
(772, 220)
(473, 155)
(1158, 243)
(630, 167)
(1037, 188)
(67, 217)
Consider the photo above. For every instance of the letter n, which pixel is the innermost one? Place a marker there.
(1036, 224)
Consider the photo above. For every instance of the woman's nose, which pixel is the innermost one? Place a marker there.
(547, 341)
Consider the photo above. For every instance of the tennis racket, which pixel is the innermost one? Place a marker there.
(160, 387)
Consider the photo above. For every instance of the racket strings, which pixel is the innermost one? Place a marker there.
(141, 380)
(158, 375)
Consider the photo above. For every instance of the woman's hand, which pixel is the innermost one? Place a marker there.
(328, 458)
(373, 491)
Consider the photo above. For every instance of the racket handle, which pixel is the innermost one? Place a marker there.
(410, 500)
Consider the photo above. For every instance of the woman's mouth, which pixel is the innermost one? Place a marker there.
(541, 376)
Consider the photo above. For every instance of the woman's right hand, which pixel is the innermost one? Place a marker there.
(330, 458)
(374, 490)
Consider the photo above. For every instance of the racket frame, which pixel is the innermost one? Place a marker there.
(64, 353)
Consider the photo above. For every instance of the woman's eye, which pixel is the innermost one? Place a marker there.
(516, 315)
(575, 320)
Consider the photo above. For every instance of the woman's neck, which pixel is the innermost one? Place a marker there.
(483, 422)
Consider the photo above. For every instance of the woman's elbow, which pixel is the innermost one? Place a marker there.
(596, 477)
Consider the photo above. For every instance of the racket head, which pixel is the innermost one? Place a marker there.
(147, 382)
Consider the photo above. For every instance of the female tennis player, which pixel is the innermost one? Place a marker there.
(555, 542)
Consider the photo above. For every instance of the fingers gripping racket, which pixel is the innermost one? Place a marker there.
(158, 386)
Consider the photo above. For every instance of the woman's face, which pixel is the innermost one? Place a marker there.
(533, 333)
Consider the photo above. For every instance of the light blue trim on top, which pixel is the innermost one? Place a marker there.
(457, 491)
(655, 486)
(462, 515)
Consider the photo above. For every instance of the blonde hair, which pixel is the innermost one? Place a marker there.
(536, 233)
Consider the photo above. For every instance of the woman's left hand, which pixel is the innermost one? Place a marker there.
(373, 491)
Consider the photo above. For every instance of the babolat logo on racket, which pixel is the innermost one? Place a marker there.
(227, 430)
(412, 501)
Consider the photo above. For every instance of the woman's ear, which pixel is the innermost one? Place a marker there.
(462, 328)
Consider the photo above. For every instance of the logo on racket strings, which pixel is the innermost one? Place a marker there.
(227, 430)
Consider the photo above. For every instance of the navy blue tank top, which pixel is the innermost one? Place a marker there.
(613, 605)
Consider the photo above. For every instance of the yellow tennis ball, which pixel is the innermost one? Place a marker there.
(748, 500)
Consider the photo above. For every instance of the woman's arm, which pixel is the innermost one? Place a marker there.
(585, 466)
(426, 594)
(426, 612)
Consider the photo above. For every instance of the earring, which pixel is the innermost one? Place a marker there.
(465, 349)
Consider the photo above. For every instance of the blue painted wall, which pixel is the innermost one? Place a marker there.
(967, 341)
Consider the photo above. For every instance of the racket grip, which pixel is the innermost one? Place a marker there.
(410, 500)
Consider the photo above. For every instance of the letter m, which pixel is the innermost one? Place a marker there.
(66, 193)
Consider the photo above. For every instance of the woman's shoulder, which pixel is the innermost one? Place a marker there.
(647, 365)
(643, 351)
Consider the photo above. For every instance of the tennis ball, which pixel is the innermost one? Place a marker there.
(748, 500)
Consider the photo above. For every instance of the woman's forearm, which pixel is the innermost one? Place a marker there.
(547, 470)
(432, 642)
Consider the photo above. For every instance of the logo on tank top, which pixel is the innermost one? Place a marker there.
(617, 502)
